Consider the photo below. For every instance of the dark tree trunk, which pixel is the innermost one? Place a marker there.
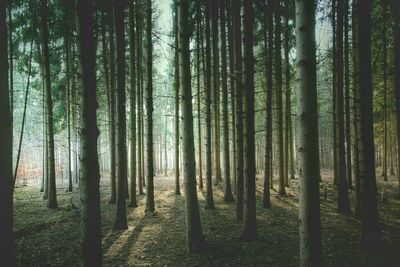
(228, 196)
(176, 76)
(89, 173)
(132, 100)
(370, 232)
(396, 12)
(278, 84)
(120, 221)
(149, 112)
(52, 197)
(209, 191)
(6, 176)
(195, 238)
(250, 220)
(236, 6)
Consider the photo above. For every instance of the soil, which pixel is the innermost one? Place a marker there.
(46, 237)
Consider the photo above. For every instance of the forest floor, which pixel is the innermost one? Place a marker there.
(46, 237)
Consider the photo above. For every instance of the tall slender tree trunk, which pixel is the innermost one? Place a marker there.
(132, 100)
(343, 198)
(228, 196)
(236, 5)
(11, 62)
(177, 84)
(6, 176)
(288, 106)
(209, 191)
(278, 84)
(194, 232)
(120, 221)
(89, 174)
(216, 85)
(113, 108)
(250, 220)
(334, 95)
(370, 232)
(347, 94)
(198, 49)
(268, 45)
(309, 209)
(139, 96)
(52, 198)
(385, 119)
(396, 13)
(149, 112)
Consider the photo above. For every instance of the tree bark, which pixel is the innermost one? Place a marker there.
(6, 175)
(120, 221)
(177, 81)
(89, 173)
(309, 208)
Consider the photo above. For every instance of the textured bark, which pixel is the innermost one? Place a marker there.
(176, 77)
(385, 119)
(396, 12)
(309, 209)
(236, 6)
(113, 109)
(89, 173)
(209, 191)
(132, 101)
(343, 198)
(216, 85)
(6, 176)
(194, 232)
(52, 194)
(120, 221)
(149, 112)
(250, 220)
(228, 196)
(370, 232)
(278, 95)
(268, 44)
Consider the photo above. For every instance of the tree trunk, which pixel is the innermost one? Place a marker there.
(278, 84)
(113, 109)
(343, 198)
(371, 237)
(228, 196)
(52, 198)
(209, 191)
(132, 100)
(149, 112)
(6, 176)
(396, 12)
(309, 209)
(89, 174)
(177, 79)
(268, 44)
(250, 220)
(120, 221)
(216, 85)
(195, 238)
(385, 119)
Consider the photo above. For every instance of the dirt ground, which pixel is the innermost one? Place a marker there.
(46, 237)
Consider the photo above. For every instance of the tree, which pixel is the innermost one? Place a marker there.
(195, 238)
(120, 222)
(216, 84)
(209, 191)
(309, 210)
(52, 194)
(132, 100)
(278, 95)
(250, 220)
(236, 9)
(6, 176)
(89, 173)
(396, 13)
(149, 112)
(228, 196)
(371, 237)
(343, 198)
(176, 76)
